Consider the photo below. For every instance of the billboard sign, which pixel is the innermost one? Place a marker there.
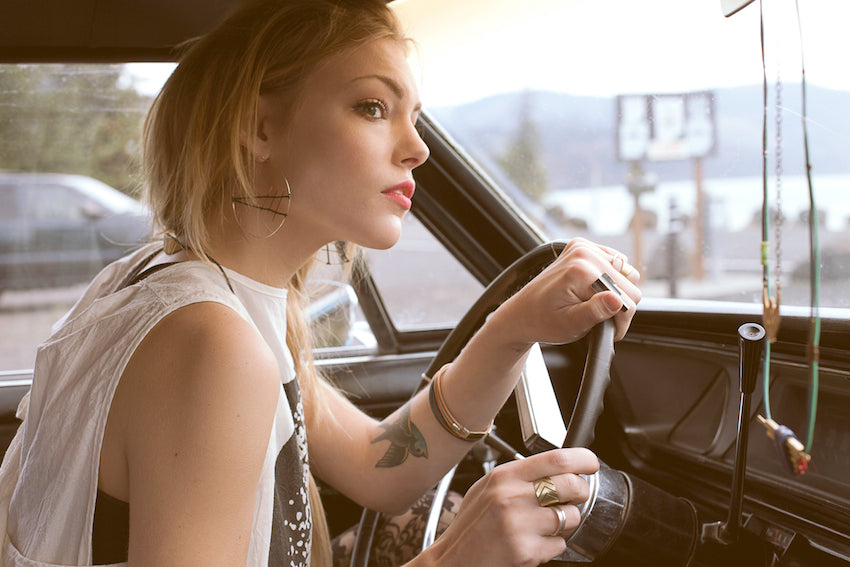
(665, 127)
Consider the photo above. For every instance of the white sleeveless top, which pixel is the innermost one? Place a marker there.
(48, 481)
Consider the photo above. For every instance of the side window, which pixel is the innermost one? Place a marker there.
(423, 286)
(9, 202)
(58, 230)
(53, 202)
(68, 163)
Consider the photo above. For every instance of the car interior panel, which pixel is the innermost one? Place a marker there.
(686, 427)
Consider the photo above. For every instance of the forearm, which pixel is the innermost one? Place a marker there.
(396, 460)
(479, 381)
(434, 556)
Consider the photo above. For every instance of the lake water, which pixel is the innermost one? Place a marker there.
(733, 202)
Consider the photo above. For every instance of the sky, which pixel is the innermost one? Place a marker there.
(609, 47)
(469, 49)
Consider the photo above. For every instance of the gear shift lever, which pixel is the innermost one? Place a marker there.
(751, 345)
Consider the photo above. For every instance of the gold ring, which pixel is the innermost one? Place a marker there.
(618, 262)
(626, 270)
(562, 519)
(545, 491)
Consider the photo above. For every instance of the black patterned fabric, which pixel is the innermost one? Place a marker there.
(291, 519)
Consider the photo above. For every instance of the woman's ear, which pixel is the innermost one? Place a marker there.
(258, 142)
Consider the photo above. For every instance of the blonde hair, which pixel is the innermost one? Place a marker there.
(194, 159)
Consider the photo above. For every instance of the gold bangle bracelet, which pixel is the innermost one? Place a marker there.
(444, 417)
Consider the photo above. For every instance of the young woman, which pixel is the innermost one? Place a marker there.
(166, 412)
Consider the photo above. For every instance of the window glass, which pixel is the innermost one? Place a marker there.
(421, 283)
(69, 139)
(639, 125)
(53, 202)
(9, 202)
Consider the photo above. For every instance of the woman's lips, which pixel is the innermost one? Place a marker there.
(401, 194)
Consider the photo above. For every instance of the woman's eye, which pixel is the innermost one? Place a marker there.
(373, 108)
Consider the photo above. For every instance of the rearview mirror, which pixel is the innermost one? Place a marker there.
(331, 313)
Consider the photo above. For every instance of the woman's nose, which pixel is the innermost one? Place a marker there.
(413, 149)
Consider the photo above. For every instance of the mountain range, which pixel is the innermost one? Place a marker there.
(577, 134)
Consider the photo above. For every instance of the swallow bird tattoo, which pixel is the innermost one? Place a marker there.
(405, 439)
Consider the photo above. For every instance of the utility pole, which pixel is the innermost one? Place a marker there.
(639, 182)
(699, 222)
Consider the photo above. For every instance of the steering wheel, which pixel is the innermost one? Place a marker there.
(588, 403)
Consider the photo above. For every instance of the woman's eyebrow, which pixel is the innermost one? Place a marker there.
(391, 83)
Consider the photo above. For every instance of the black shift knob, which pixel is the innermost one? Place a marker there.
(751, 345)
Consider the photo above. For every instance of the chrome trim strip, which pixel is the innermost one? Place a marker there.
(540, 416)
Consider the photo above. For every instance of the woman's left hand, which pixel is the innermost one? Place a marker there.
(502, 522)
(560, 305)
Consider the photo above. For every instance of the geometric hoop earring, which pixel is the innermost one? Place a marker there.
(265, 204)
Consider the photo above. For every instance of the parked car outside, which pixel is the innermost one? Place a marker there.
(61, 229)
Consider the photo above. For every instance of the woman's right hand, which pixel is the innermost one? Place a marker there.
(560, 306)
(501, 521)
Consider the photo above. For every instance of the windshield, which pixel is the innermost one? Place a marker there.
(640, 125)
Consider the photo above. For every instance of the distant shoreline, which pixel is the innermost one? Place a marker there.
(735, 201)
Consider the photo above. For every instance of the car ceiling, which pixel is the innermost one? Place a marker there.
(101, 30)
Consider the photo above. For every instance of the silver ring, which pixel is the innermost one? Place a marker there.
(562, 519)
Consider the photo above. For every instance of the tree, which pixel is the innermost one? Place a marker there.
(78, 118)
(521, 161)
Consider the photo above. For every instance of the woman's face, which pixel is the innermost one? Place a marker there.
(349, 149)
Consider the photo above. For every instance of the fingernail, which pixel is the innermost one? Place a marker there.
(606, 283)
(613, 303)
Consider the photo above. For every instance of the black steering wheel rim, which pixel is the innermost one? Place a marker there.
(595, 377)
